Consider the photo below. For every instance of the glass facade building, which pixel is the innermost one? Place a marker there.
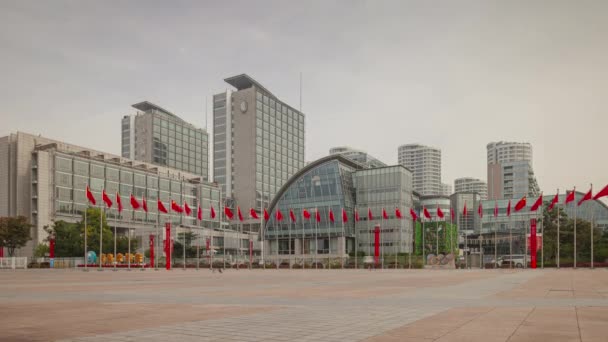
(333, 183)
(154, 135)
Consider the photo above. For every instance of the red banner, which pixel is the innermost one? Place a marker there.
(52, 248)
(1, 251)
(532, 243)
(168, 246)
(151, 250)
(376, 244)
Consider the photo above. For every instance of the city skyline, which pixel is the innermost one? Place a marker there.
(67, 78)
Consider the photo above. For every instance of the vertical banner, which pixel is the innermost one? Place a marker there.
(376, 244)
(151, 250)
(168, 246)
(1, 251)
(52, 253)
(532, 243)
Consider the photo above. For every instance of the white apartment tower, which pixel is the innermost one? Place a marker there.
(471, 185)
(510, 173)
(425, 163)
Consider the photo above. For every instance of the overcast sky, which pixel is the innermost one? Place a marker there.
(377, 74)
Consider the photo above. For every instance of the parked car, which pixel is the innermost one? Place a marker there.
(516, 259)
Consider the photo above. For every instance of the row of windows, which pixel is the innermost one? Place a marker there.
(278, 106)
(181, 130)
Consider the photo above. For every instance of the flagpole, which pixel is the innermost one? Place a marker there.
(115, 223)
(289, 234)
(542, 241)
(276, 236)
(262, 237)
(575, 210)
(495, 235)
(343, 237)
(156, 239)
(85, 239)
(510, 241)
(466, 243)
(369, 235)
(100, 235)
(356, 239)
(129, 237)
(382, 240)
(557, 228)
(316, 238)
(303, 238)
(423, 243)
(592, 218)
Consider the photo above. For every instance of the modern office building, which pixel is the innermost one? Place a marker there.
(156, 136)
(45, 180)
(432, 202)
(468, 184)
(357, 155)
(510, 172)
(258, 144)
(332, 183)
(425, 163)
(446, 189)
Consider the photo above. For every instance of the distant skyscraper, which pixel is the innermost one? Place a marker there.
(425, 163)
(155, 135)
(510, 173)
(258, 142)
(446, 189)
(471, 185)
(357, 155)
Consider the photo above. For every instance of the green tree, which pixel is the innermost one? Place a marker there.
(93, 217)
(15, 232)
(41, 250)
(188, 238)
(68, 239)
(122, 244)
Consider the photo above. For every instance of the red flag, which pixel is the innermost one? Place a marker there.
(318, 215)
(537, 204)
(356, 215)
(199, 213)
(212, 212)
(331, 215)
(521, 204)
(439, 212)
(370, 216)
(509, 209)
(106, 199)
(228, 213)
(238, 212)
(292, 216)
(119, 202)
(569, 196)
(464, 211)
(266, 215)
(175, 207)
(398, 213)
(279, 215)
(587, 197)
(253, 213)
(306, 214)
(144, 204)
(602, 193)
(187, 208)
(384, 214)
(413, 214)
(344, 216)
(452, 213)
(90, 196)
(553, 202)
(426, 213)
(161, 206)
(495, 209)
(134, 204)
(480, 210)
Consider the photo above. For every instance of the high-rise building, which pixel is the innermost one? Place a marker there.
(474, 185)
(258, 143)
(155, 135)
(357, 155)
(446, 189)
(510, 173)
(425, 163)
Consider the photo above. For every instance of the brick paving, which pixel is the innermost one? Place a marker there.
(311, 305)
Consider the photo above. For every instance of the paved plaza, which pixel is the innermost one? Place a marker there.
(311, 305)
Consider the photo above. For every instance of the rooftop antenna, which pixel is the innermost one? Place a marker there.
(300, 92)
(206, 109)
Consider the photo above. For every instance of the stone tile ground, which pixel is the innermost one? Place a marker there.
(310, 305)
